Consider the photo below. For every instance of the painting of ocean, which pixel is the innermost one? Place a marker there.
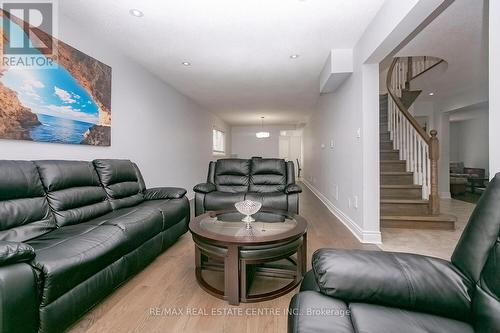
(65, 103)
(59, 130)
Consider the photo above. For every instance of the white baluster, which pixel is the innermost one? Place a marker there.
(408, 145)
(396, 141)
(402, 134)
(428, 174)
(403, 148)
(425, 174)
(419, 155)
(399, 131)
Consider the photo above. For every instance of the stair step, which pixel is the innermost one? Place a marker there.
(400, 191)
(409, 96)
(408, 207)
(392, 166)
(396, 178)
(442, 222)
(389, 154)
(386, 145)
(385, 136)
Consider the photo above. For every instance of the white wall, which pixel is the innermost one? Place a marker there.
(494, 77)
(245, 144)
(442, 125)
(346, 177)
(166, 133)
(469, 141)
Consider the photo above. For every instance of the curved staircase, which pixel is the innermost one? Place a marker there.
(408, 154)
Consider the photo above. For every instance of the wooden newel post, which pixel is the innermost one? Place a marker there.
(434, 157)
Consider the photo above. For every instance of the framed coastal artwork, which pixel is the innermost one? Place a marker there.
(64, 96)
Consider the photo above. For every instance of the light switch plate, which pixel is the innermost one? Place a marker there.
(332, 143)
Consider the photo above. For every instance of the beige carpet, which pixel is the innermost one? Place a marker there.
(436, 243)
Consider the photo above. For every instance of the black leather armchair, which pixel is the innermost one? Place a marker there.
(381, 292)
(269, 181)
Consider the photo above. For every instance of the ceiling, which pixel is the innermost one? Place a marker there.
(460, 36)
(239, 50)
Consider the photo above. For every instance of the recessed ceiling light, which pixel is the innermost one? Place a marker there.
(136, 12)
(431, 94)
(294, 56)
(186, 63)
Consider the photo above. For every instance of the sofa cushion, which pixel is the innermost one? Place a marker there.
(24, 210)
(312, 312)
(275, 201)
(138, 224)
(232, 175)
(73, 191)
(222, 200)
(267, 175)
(173, 211)
(122, 182)
(69, 255)
(380, 319)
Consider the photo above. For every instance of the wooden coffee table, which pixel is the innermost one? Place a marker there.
(222, 243)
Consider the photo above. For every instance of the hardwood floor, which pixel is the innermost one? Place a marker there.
(169, 284)
(435, 243)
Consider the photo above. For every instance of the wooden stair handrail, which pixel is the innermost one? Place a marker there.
(401, 106)
(431, 140)
(426, 70)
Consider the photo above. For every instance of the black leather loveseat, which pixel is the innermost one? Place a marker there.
(267, 180)
(384, 292)
(71, 232)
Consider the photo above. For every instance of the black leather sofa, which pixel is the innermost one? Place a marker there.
(71, 232)
(267, 180)
(384, 292)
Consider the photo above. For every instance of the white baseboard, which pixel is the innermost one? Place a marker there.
(363, 236)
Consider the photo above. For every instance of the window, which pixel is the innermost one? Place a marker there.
(219, 142)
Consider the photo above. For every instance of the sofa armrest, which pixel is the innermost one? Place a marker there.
(293, 188)
(403, 280)
(204, 188)
(13, 252)
(159, 193)
(19, 302)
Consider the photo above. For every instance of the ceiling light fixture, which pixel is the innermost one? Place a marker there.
(186, 63)
(431, 94)
(136, 12)
(262, 134)
(294, 56)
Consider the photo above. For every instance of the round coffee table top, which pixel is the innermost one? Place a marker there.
(270, 226)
